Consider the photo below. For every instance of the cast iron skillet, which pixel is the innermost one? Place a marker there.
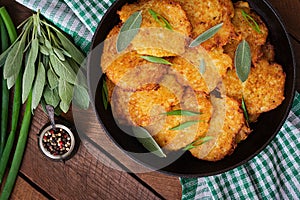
(263, 131)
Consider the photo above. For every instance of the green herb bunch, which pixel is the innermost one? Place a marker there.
(52, 66)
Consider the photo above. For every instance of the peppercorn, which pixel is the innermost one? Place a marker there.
(57, 143)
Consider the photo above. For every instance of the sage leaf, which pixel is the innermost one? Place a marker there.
(44, 50)
(64, 106)
(65, 53)
(29, 72)
(155, 59)
(14, 59)
(23, 34)
(197, 143)
(59, 54)
(65, 91)
(242, 60)
(185, 125)
(244, 108)
(105, 94)
(202, 66)
(72, 50)
(51, 96)
(81, 97)
(38, 86)
(80, 78)
(4, 55)
(11, 81)
(48, 44)
(52, 79)
(57, 110)
(45, 60)
(42, 40)
(160, 19)
(252, 23)
(145, 138)
(129, 30)
(182, 113)
(63, 69)
(206, 35)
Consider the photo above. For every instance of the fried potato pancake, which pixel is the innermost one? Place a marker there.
(243, 28)
(221, 61)
(145, 106)
(119, 106)
(198, 102)
(204, 14)
(171, 82)
(188, 74)
(243, 133)
(177, 139)
(153, 39)
(110, 53)
(224, 141)
(263, 90)
(130, 71)
(233, 85)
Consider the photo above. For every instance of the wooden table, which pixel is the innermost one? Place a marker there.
(85, 177)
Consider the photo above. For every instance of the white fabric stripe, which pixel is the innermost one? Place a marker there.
(202, 186)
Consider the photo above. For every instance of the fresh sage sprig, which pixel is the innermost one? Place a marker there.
(206, 35)
(242, 64)
(155, 59)
(185, 125)
(160, 19)
(129, 30)
(52, 66)
(181, 113)
(146, 139)
(198, 142)
(245, 111)
(242, 60)
(254, 25)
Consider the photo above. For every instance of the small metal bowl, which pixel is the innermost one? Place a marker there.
(59, 144)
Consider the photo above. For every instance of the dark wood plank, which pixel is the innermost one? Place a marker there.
(289, 11)
(87, 124)
(17, 11)
(296, 47)
(23, 190)
(168, 186)
(82, 177)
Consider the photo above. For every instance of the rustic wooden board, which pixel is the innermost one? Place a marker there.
(23, 190)
(289, 12)
(86, 123)
(296, 47)
(81, 177)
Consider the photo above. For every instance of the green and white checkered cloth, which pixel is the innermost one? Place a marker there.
(273, 174)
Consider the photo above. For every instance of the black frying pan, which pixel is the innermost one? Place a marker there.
(263, 131)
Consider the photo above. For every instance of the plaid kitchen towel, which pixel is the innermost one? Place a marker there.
(274, 173)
